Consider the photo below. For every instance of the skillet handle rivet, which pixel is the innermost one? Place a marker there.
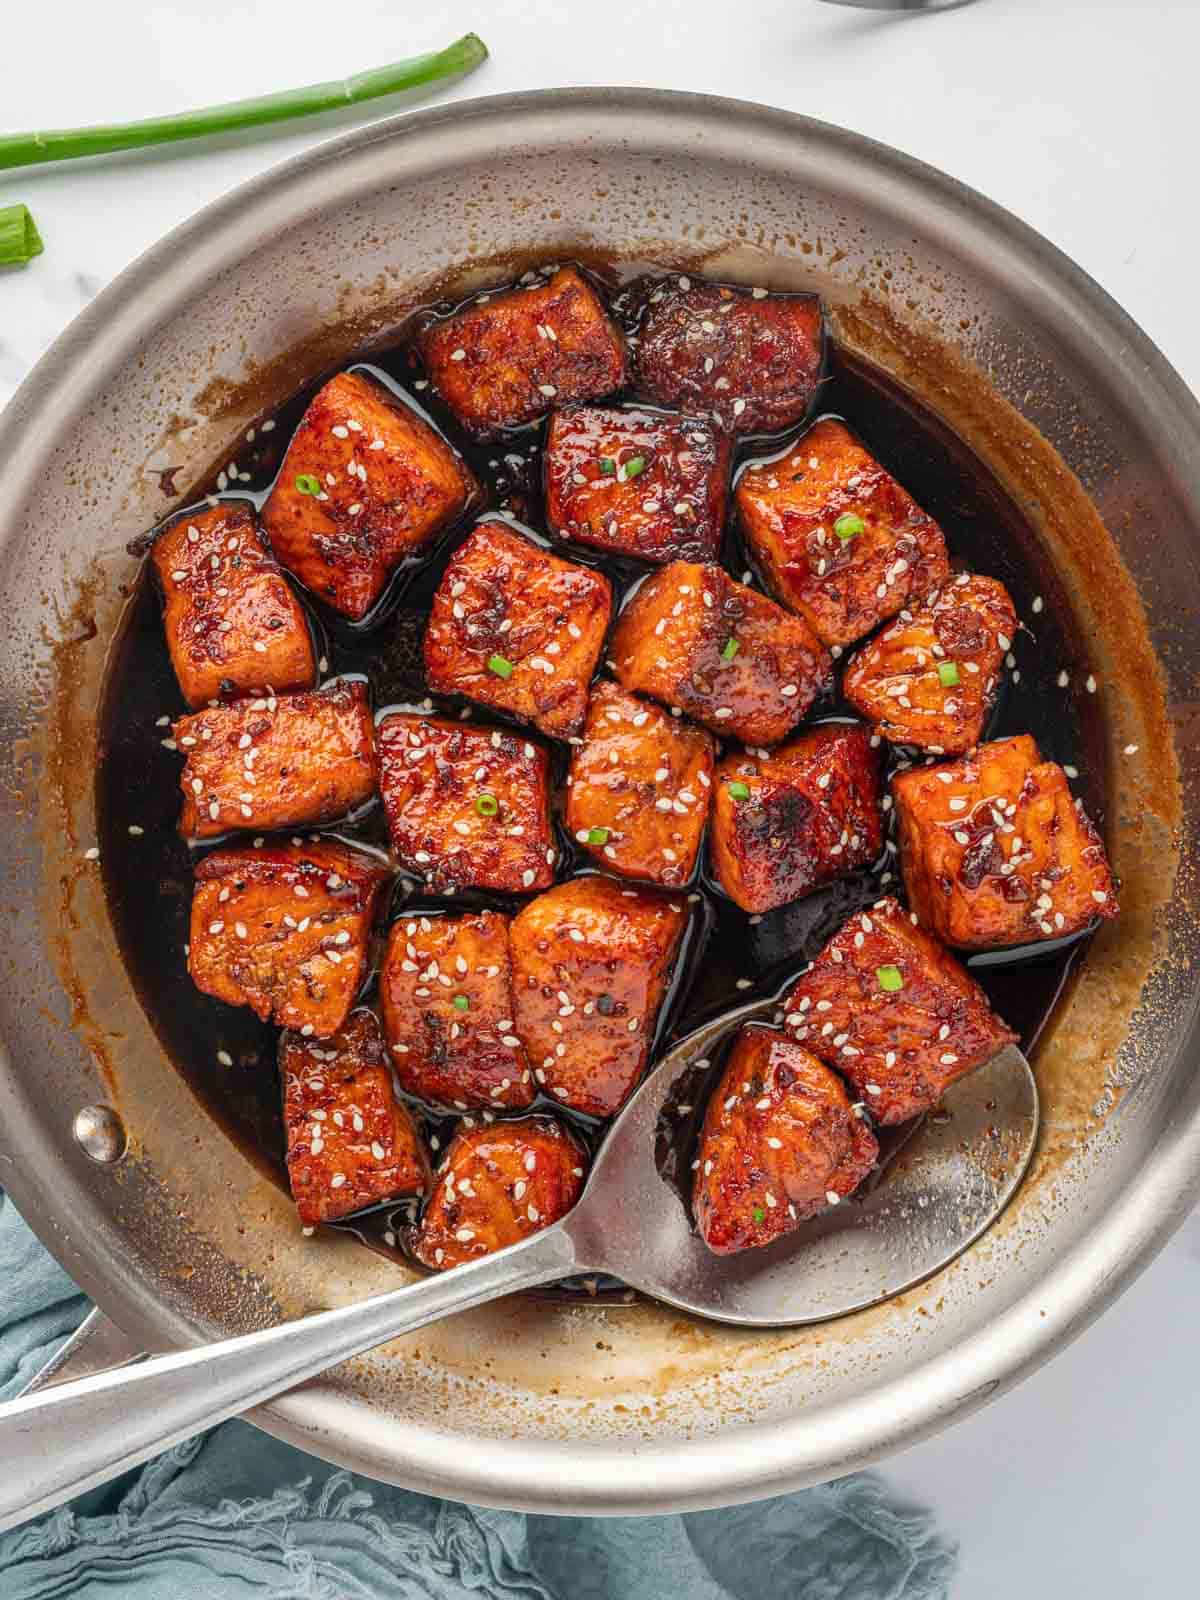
(100, 1133)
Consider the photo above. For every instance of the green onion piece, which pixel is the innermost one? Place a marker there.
(307, 484)
(732, 646)
(891, 979)
(62, 144)
(739, 791)
(758, 1213)
(608, 467)
(19, 239)
(486, 804)
(632, 468)
(948, 673)
(461, 1003)
(501, 666)
(597, 836)
(848, 526)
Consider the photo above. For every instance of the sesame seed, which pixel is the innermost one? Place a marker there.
(224, 1058)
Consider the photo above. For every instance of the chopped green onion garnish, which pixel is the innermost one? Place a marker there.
(848, 526)
(19, 239)
(732, 646)
(461, 1003)
(758, 1213)
(597, 836)
(487, 805)
(307, 484)
(501, 666)
(630, 469)
(891, 979)
(739, 791)
(608, 467)
(948, 673)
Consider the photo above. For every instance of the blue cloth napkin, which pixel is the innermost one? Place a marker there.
(235, 1513)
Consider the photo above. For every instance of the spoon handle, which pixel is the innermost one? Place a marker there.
(64, 1440)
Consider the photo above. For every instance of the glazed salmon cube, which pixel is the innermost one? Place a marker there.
(724, 654)
(894, 1012)
(841, 543)
(366, 484)
(639, 787)
(931, 677)
(780, 1142)
(516, 628)
(350, 1143)
(506, 359)
(284, 930)
(233, 625)
(498, 1184)
(635, 482)
(446, 992)
(995, 851)
(467, 806)
(277, 762)
(751, 361)
(788, 821)
(591, 961)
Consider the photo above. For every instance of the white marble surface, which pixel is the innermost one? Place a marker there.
(1079, 115)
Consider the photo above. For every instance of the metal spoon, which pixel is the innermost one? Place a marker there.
(948, 1184)
(901, 5)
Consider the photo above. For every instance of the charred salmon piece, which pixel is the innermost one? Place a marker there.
(279, 761)
(639, 787)
(508, 358)
(366, 483)
(350, 1142)
(931, 677)
(995, 851)
(720, 652)
(445, 988)
(637, 482)
(233, 625)
(467, 806)
(499, 1183)
(751, 361)
(840, 541)
(284, 930)
(781, 1141)
(517, 628)
(894, 1012)
(789, 820)
(591, 963)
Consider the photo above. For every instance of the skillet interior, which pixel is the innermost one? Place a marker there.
(529, 1404)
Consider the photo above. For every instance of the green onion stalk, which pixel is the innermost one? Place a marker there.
(19, 237)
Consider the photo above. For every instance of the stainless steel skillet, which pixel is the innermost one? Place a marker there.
(184, 1237)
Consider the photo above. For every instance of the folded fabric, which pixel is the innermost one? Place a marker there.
(235, 1513)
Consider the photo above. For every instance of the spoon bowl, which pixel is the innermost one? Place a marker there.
(938, 1190)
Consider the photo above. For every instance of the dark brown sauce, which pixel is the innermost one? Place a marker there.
(148, 876)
